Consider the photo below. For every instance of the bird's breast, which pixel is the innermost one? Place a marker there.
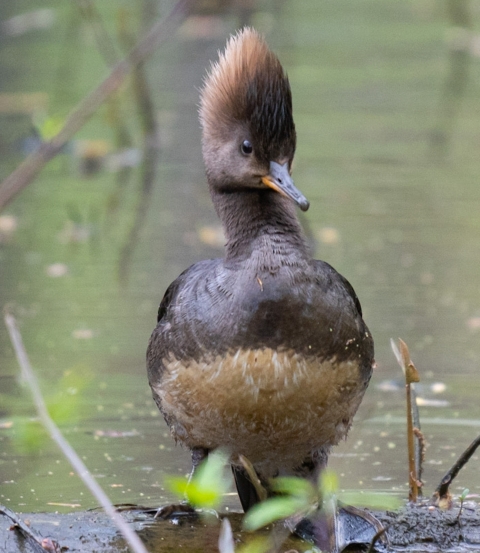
(260, 402)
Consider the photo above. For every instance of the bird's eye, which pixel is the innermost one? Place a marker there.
(246, 147)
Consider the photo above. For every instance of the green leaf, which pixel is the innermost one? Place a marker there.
(208, 485)
(177, 485)
(257, 545)
(210, 474)
(328, 483)
(271, 510)
(48, 127)
(294, 486)
(29, 435)
(63, 409)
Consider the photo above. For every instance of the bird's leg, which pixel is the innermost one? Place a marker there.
(318, 528)
(184, 508)
(199, 454)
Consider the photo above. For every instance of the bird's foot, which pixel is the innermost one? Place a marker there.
(358, 526)
(347, 526)
(175, 511)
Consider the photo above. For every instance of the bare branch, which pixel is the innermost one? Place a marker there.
(33, 164)
(442, 490)
(134, 542)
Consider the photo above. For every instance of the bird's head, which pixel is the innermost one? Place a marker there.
(246, 115)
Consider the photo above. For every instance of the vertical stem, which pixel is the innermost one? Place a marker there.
(131, 537)
(412, 472)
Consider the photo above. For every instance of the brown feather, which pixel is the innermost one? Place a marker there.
(248, 86)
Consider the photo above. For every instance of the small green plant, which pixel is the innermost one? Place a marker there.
(28, 435)
(63, 405)
(462, 498)
(296, 497)
(48, 126)
(208, 485)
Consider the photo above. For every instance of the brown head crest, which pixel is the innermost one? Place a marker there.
(248, 85)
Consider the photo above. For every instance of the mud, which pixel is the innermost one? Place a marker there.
(419, 528)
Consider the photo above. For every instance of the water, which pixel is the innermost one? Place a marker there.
(387, 156)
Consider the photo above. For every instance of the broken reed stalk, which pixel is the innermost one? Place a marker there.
(412, 469)
(419, 441)
(34, 163)
(411, 376)
(442, 489)
(28, 375)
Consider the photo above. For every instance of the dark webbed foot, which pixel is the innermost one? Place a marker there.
(336, 532)
(357, 526)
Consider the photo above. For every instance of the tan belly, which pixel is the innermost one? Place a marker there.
(274, 408)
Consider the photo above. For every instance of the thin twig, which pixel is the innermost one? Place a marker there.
(28, 375)
(33, 164)
(442, 490)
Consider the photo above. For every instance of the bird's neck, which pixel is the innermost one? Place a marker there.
(259, 221)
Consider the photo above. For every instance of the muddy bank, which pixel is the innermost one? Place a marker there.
(434, 529)
(419, 528)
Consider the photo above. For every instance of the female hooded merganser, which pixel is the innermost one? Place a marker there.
(264, 352)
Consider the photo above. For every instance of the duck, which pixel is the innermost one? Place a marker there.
(263, 352)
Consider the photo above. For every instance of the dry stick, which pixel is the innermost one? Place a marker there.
(33, 164)
(419, 441)
(134, 542)
(411, 375)
(412, 476)
(442, 490)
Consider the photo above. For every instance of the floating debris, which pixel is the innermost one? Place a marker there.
(212, 236)
(57, 270)
(82, 334)
(123, 159)
(116, 433)
(424, 402)
(473, 323)
(328, 235)
(91, 155)
(8, 225)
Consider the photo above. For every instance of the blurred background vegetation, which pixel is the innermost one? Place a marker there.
(387, 107)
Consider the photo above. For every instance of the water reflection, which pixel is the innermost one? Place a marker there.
(404, 230)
